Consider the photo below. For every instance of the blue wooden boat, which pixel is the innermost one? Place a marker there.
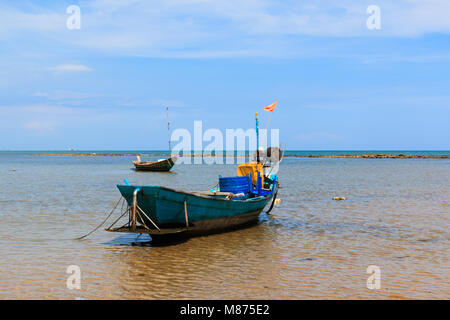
(164, 212)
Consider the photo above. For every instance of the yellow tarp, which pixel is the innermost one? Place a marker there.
(250, 167)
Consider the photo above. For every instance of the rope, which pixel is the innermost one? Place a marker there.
(147, 217)
(95, 229)
(142, 220)
(273, 202)
(115, 221)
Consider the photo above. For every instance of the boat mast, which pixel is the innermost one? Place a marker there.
(168, 128)
(257, 138)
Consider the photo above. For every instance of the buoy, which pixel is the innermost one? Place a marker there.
(277, 201)
(339, 198)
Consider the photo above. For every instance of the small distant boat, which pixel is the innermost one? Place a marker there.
(160, 165)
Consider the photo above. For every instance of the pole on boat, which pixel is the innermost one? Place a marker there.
(268, 122)
(186, 215)
(265, 136)
(133, 213)
(257, 138)
(168, 128)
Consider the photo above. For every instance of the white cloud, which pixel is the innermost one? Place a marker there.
(71, 99)
(62, 96)
(39, 126)
(34, 111)
(219, 28)
(40, 94)
(70, 68)
(45, 118)
(14, 22)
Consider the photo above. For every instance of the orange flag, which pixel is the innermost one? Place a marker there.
(271, 107)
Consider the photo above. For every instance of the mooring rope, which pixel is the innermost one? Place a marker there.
(120, 217)
(273, 202)
(103, 222)
(147, 217)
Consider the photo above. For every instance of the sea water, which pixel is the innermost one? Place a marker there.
(396, 217)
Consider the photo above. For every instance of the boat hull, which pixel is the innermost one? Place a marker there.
(164, 165)
(175, 210)
(196, 229)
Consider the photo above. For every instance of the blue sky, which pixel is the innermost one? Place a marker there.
(338, 84)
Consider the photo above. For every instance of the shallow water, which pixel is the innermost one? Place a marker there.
(396, 216)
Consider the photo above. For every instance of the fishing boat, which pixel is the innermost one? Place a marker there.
(164, 212)
(168, 213)
(161, 164)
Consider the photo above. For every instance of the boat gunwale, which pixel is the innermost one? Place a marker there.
(136, 162)
(256, 199)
